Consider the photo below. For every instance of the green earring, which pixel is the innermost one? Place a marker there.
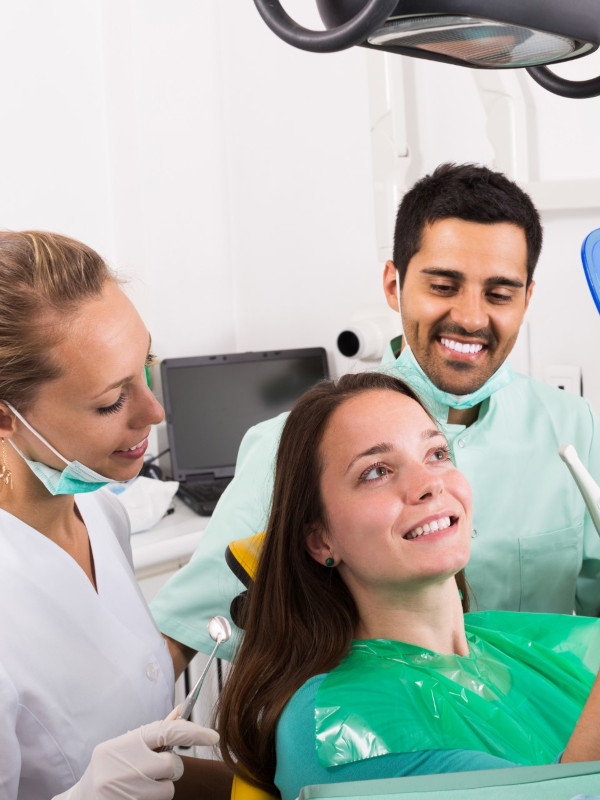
(329, 562)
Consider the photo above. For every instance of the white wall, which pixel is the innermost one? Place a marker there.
(230, 176)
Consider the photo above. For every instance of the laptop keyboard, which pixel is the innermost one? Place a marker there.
(203, 496)
(208, 491)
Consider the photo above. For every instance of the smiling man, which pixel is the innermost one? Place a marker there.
(466, 244)
(467, 241)
(467, 291)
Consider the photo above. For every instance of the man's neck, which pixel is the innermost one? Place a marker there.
(463, 416)
(456, 416)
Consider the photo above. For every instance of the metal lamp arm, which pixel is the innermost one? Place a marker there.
(575, 90)
(355, 31)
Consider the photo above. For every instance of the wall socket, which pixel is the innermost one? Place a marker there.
(566, 377)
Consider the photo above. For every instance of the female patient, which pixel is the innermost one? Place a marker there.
(358, 660)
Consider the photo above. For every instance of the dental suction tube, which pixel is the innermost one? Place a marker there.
(590, 491)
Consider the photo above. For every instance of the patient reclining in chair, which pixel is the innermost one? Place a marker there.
(360, 659)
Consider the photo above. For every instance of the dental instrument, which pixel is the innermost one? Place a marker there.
(590, 491)
(219, 631)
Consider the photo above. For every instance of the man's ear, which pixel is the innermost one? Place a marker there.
(390, 278)
(317, 545)
(528, 294)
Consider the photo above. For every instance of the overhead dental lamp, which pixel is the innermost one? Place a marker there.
(484, 34)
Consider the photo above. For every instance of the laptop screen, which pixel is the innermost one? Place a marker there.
(211, 401)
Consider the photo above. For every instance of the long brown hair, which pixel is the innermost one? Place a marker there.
(300, 617)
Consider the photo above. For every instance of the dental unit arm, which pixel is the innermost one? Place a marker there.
(590, 491)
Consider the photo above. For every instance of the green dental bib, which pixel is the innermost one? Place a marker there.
(517, 695)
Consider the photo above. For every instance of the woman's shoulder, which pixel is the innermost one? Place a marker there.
(302, 702)
(299, 714)
(297, 763)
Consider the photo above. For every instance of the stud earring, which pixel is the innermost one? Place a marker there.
(5, 473)
(329, 562)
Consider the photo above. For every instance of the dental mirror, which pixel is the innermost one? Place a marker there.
(219, 631)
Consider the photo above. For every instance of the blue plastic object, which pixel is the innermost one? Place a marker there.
(590, 256)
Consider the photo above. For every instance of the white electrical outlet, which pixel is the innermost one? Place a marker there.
(564, 376)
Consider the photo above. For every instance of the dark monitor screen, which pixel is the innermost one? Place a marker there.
(211, 401)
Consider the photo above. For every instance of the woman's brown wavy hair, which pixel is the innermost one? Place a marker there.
(300, 617)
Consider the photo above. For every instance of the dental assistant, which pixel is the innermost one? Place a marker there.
(81, 659)
(467, 241)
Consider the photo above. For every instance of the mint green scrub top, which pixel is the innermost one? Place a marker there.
(534, 546)
(392, 709)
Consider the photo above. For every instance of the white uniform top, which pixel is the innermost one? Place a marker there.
(76, 666)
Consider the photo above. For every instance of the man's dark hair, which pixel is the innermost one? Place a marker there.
(468, 192)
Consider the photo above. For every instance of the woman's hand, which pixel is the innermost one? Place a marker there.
(129, 766)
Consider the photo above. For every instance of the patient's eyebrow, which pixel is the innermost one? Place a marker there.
(387, 447)
(376, 450)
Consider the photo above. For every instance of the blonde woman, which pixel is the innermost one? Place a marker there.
(81, 660)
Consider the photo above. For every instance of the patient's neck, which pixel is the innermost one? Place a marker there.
(432, 619)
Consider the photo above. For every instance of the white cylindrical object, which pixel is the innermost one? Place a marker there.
(366, 341)
(368, 334)
(590, 491)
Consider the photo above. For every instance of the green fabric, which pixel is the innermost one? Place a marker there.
(437, 399)
(550, 782)
(298, 766)
(517, 695)
(535, 544)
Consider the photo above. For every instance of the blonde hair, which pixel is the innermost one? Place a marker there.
(44, 279)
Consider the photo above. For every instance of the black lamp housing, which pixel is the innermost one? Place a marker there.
(482, 34)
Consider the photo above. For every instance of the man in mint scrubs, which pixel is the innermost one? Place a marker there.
(466, 244)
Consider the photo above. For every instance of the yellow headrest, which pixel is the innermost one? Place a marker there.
(242, 557)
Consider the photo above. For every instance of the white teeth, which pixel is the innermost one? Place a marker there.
(135, 446)
(429, 527)
(461, 347)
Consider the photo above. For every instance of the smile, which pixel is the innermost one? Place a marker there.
(430, 527)
(461, 347)
(135, 446)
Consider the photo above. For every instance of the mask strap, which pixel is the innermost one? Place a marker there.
(35, 433)
(398, 288)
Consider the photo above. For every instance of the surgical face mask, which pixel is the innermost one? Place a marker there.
(500, 378)
(425, 386)
(75, 478)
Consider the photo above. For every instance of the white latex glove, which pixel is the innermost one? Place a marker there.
(129, 768)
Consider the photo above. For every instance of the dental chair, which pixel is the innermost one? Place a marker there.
(242, 790)
(242, 558)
